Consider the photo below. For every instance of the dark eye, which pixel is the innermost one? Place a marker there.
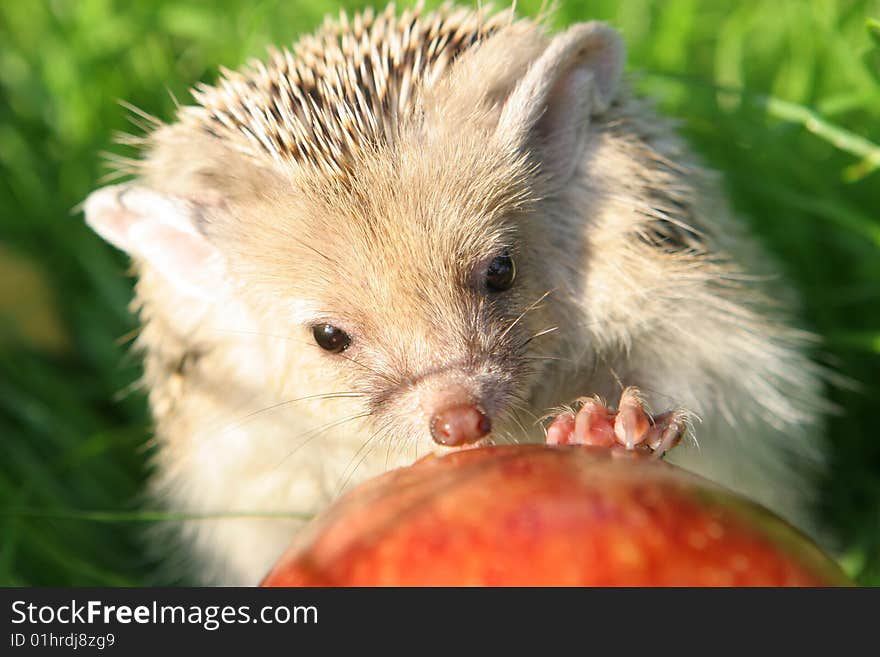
(331, 338)
(501, 272)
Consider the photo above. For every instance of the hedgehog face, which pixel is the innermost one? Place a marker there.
(384, 213)
(411, 282)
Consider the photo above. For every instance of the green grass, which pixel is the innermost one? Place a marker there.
(783, 97)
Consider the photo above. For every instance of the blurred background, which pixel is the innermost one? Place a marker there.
(781, 96)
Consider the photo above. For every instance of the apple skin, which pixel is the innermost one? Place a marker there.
(534, 515)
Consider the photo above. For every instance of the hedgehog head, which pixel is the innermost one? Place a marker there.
(380, 179)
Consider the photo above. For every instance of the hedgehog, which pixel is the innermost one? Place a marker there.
(412, 233)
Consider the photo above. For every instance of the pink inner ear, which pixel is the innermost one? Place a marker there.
(604, 58)
(566, 107)
(550, 109)
(185, 259)
(157, 230)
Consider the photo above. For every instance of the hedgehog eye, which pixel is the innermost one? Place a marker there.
(500, 274)
(330, 338)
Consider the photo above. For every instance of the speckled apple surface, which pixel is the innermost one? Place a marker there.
(533, 515)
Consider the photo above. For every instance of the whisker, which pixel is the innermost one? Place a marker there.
(523, 314)
(399, 447)
(617, 378)
(387, 452)
(536, 418)
(525, 432)
(567, 360)
(538, 335)
(326, 395)
(503, 437)
(368, 441)
(314, 433)
(381, 375)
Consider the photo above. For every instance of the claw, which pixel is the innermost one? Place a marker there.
(631, 426)
(669, 428)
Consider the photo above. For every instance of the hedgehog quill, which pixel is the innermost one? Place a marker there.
(415, 232)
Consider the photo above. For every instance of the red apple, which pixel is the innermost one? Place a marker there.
(539, 515)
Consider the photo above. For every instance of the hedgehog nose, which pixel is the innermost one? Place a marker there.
(459, 425)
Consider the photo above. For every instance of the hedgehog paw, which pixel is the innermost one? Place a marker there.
(630, 427)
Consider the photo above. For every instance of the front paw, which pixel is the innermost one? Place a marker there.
(630, 427)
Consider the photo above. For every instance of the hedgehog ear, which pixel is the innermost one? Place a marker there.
(550, 108)
(159, 230)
